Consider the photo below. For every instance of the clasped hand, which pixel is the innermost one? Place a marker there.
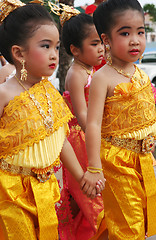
(92, 184)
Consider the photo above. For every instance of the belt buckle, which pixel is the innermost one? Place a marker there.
(45, 176)
(147, 144)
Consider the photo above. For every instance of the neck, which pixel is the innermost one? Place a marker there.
(84, 66)
(30, 81)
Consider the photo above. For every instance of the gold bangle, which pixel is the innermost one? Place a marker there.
(94, 170)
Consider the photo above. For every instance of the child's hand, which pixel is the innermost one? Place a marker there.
(100, 187)
(90, 182)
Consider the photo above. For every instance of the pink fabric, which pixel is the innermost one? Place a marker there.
(154, 91)
(84, 226)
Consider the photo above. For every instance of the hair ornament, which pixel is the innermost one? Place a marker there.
(64, 11)
(7, 6)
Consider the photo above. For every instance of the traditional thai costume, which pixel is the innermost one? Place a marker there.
(84, 225)
(127, 137)
(30, 146)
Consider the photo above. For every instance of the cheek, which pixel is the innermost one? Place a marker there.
(38, 56)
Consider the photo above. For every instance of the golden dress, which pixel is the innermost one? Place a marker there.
(28, 148)
(130, 193)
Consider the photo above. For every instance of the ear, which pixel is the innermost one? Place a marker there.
(17, 53)
(74, 50)
(105, 39)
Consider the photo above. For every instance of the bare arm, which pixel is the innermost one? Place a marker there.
(68, 158)
(98, 91)
(2, 100)
(76, 81)
(5, 71)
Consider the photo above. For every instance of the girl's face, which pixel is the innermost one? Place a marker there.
(127, 39)
(42, 52)
(92, 50)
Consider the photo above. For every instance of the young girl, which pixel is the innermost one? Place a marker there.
(33, 125)
(121, 123)
(81, 41)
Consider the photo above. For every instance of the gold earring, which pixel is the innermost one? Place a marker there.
(108, 56)
(141, 57)
(23, 71)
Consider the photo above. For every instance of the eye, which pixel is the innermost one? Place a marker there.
(141, 33)
(58, 47)
(94, 44)
(124, 34)
(45, 46)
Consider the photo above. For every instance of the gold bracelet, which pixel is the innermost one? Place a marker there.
(94, 170)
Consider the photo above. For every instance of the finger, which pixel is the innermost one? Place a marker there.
(101, 184)
(93, 194)
(89, 191)
(85, 188)
(82, 184)
(98, 189)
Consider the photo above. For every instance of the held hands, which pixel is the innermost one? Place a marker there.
(93, 182)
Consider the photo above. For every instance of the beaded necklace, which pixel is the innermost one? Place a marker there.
(89, 72)
(47, 119)
(133, 78)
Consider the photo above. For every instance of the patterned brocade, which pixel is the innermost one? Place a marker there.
(130, 193)
(130, 113)
(27, 207)
(22, 128)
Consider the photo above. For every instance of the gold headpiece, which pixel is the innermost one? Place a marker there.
(64, 11)
(7, 6)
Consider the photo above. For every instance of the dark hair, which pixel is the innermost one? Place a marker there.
(106, 13)
(75, 30)
(20, 25)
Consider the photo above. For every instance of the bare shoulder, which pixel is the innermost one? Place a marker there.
(3, 97)
(5, 71)
(101, 78)
(75, 77)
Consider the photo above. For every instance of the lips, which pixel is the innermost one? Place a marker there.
(52, 66)
(134, 52)
(101, 57)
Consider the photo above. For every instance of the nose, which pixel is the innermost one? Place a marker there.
(54, 54)
(101, 48)
(134, 41)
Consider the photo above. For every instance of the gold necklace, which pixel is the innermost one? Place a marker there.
(89, 72)
(47, 120)
(128, 75)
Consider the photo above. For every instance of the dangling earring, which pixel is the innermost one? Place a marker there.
(23, 71)
(141, 57)
(108, 56)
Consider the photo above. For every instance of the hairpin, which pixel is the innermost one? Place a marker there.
(7, 6)
(64, 11)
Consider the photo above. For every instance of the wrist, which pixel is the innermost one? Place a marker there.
(94, 169)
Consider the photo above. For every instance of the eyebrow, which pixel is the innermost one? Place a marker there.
(47, 40)
(96, 40)
(127, 27)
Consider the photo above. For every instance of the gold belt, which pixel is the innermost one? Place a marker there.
(144, 146)
(25, 171)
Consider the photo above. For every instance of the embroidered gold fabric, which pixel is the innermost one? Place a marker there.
(130, 113)
(28, 150)
(130, 193)
(145, 145)
(27, 207)
(23, 136)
